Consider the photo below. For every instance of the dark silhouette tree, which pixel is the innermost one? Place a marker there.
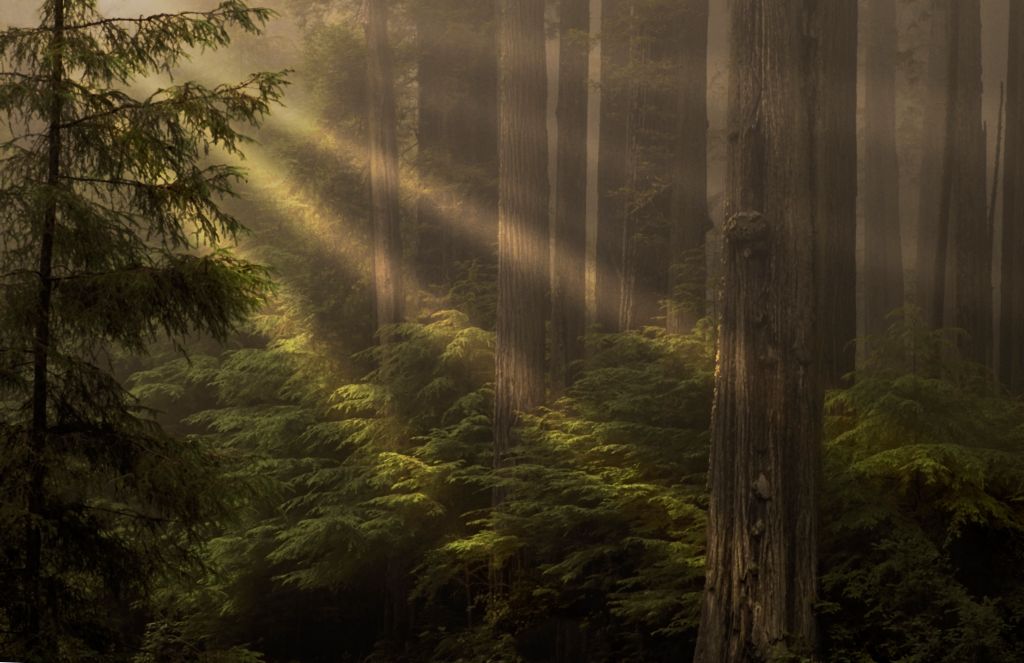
(1011, 332)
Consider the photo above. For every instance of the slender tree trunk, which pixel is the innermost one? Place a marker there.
(835, 170)
(957, 288)
(39, 646)
(883, 260)
(690, 220)
(766, 428)
(568, 295)
(1011, 334)
(929, 282)
(474, 142)
(434, 135)
(522, 220)
(632, 197)
(613, 178)
(384, 202)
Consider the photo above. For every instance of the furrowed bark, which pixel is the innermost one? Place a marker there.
(766, 427)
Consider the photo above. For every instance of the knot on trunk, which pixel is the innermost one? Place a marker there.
(746, 231)
(762, 489)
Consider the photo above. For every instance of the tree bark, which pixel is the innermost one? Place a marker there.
(1011, 334)
(568, 294)
(522, 220)
(835, 172)
(690, 220)
(883, 260)
(383, 148)
(766, 427)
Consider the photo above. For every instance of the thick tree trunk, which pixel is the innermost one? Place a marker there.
(766, 428)
(568, 295)
(835, 170)
(690, 220)
(384, 202)
(969, 255)
(39, 646)
(883, 259)
(522, 220)
(1011, 351)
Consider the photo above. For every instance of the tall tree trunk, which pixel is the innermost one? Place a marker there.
(835, 171)
(633, 195)
(929, 282)
(613, 179)
(474, 141)
(384, 203)
(969, 256)
(434, 255)
(39, 646)
(522, 220)
(690, 220)
(1011, 336)
(568, 295)
(957, 243)
(883, 259)
(766, 427)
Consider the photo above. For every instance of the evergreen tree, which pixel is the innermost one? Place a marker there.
(110, 237)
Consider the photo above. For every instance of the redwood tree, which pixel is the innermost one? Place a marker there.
(964, 207)
(522, 219)
(765, 448)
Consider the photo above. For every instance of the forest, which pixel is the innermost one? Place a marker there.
(537, 331)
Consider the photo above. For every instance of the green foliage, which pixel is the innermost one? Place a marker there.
(926, 479)
(604, 501)
(111, 237)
